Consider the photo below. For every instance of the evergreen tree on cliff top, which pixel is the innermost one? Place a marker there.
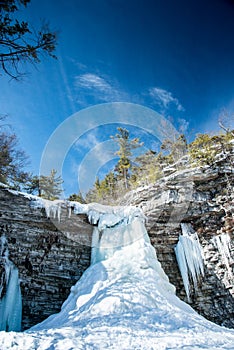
(126, 145)
(50, 186)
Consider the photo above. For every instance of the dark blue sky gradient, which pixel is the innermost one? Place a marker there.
(121, 50)
(186, 47)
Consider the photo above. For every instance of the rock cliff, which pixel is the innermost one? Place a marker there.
(51, 255)
(49, 260)
(203, 197)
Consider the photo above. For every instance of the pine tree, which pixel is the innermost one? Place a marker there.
(33, 185)
(147, 169)
(76, 198)
(111, 182)
(50, 186)
(176, 148)
(104, 191)
(126, 145)
(204, 149)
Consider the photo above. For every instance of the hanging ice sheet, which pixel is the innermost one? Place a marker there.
(189, 257)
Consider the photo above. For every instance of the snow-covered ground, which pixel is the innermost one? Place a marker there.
(123, 300)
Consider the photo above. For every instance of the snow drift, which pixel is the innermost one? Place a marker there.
(123, 300)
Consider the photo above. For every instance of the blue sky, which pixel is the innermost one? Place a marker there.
(176, 57)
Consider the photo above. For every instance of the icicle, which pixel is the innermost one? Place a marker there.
(181, 259)
(69, 211)
(59, 211)
(101, 215)
(95, 245)
(11, 301)
(222, 243)
(189, 257)
(53, 209)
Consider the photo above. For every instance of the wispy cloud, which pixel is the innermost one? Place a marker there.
(96, 87)
(100, 88)
(93, 81)
(89, 141)
(165, 98)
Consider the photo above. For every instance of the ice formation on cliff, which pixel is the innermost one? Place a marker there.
(189, 257)
(10, 294)
(223, 243)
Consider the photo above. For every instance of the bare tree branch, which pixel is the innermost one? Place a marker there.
(19, 43)
(225, 121)
(222, 126)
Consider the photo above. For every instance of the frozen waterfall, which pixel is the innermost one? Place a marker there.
(124, 278)
(10, 294)
(124, 299)
(189, 257)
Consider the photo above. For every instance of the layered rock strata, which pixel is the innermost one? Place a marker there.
(50, 258)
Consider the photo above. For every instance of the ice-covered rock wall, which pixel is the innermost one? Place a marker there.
(49, 259)
(204, 198)
(223, 243)
(124, 300)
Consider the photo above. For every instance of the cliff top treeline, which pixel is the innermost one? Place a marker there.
(128, 173)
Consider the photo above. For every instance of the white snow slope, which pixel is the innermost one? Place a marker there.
(123, 300)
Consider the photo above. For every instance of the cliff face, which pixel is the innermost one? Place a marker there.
(51, 257)
(203, 197)
(49, 261)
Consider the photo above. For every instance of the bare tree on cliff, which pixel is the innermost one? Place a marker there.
(19, 43)
(12, 159)
(226, 122)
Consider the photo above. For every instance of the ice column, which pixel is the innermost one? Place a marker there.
(189, 257)
(10, 294)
